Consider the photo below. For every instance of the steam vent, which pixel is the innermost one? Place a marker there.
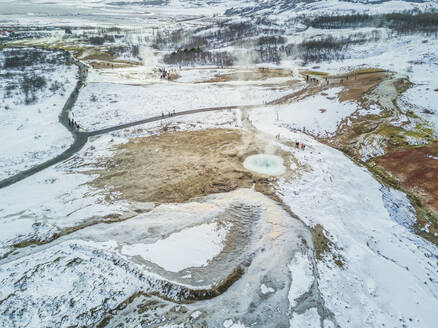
(265, 164)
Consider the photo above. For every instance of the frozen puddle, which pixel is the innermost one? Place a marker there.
(191, 247)
(265, 164)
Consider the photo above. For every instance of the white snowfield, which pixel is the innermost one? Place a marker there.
(301, 270)
(102, 105)
(53, 200)
(308, 319)
(422, 97)
(199, 7)
(32, 133)
(320, 114)
(332, 7)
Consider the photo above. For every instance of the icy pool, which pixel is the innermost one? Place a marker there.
(265, 164)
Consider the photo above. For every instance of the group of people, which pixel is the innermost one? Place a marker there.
(311, 79)
(165, 74)
(298, 145)
(169, 114)
(73, 124)
(341, 81)
(315, 80)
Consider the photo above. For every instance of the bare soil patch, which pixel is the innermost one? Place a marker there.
(97, 64)
(355, 87)
(254, 75)
(358, 85)
(325, 247)
(177, 166)
(361, 128)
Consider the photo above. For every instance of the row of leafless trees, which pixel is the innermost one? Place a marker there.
(130, 49)
(197, 56)
(22, 57)
(30, 84)
(21, 67)
(405, 22)
(323, 48)
(221, 33)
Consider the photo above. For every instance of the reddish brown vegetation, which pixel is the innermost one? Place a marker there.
(417, 171)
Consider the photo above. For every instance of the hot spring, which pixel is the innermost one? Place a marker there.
(265, 164)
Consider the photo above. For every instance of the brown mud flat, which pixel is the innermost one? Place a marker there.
(178, 166)
(417, 171)
(356, 86)
(253, 75)
(111, 64)
(358, 130)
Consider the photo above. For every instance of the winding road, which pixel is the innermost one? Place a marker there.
(81, 137)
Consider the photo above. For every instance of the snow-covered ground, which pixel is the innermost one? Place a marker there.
(59, 198)
(331, 7)
(71, 254)
(411, 56)
(31, 133)
(320, 114)
(286, 11)
(51, 201)
(422, 97)
(108, 104)
(302, 272)
(388, 277)
(252, 224)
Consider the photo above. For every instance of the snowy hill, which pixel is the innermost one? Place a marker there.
(290, 8)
